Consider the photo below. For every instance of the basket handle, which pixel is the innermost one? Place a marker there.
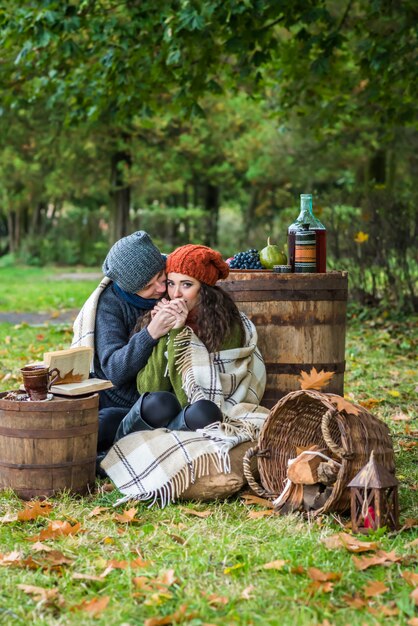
(246, 463)
(326, 418)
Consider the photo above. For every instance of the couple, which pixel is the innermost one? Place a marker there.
(178, 351)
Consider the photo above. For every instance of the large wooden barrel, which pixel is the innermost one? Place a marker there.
(46, 447)
(301, 321)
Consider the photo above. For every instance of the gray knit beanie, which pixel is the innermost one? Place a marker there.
(132, 262)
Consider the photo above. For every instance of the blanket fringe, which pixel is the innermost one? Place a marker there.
(166, 494)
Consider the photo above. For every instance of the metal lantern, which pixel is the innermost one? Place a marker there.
(374, 498)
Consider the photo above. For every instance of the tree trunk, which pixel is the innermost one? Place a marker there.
(212, 210)
(121, 161)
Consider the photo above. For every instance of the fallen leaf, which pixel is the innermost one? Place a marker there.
(355, 601)
(343, 405)
(233, 568)
(400, 416)
(316, 586)
(11, 558)
(315, 380)
(319, 576)
(9, 517)
(250, 499)
(177, 617)
(215, 600)
(201, 514)
(33, 510)
(411, 544)
(374, 588)
(158, 598)
(246, 594)
(370, 403)
(41, 547)
(279, 564)
(77, 576)
(410, 577)
(55, 529)
(413, 621)
(177, 539)
(380, 558)
(41, 594)
(394, 393)
(414, 596)
(95, 606)
(127, 517)
(387, 611)
(98, 510)
(258, 514)
(350, 543)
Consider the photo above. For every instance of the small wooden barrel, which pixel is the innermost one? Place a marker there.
(46, 447)
(300, 320)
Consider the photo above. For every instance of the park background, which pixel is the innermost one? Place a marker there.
(204, 121)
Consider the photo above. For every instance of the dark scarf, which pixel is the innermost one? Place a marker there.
(139, 303)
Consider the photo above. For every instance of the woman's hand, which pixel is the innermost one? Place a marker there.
(179, 309)
(162, 321)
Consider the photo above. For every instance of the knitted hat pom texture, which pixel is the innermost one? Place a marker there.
(200, 262)
(133, 261)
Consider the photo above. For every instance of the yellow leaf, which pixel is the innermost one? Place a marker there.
(361, 237)
(315, 380)
(228, 570)
(393, 393)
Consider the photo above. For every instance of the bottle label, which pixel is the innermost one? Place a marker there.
(305, 252)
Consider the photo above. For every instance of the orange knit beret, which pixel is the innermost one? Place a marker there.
(199, 262)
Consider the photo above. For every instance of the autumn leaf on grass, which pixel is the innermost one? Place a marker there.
(46, 596)
(374, 588)
(248, 498)
(11, 558)
(38, 546)
(400, 416)
(178, 617)
(380, 558)
(410, 577)
(320, 576)
(316, 586)
(349, 542)
(56, 529)
(247, 593)
(215, 600)
(370, 403)
(33, 510)
(8, 518)
(98, 510)
(278, 564)
(387, 611)
(355, 601)
(127, 517)
(92, 577)
(94, 607)
(315, 380)
(258, 514)
(201, 514)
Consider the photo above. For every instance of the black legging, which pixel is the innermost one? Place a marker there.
(158, 409)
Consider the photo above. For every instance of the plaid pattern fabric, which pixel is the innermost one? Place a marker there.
(83, 327)
(161, 464)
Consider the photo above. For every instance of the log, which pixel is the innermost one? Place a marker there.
(304, 469)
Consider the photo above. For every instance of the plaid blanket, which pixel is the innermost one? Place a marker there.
(161, 464)
(83, 327)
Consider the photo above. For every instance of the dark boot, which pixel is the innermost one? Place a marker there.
(133, 421)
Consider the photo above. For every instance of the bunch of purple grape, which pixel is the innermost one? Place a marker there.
(248, 260)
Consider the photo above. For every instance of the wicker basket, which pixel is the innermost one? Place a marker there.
(304, 418)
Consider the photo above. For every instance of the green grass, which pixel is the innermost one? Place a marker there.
(222, 554)
(39, 290)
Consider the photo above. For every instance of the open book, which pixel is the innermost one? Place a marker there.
(74, 369)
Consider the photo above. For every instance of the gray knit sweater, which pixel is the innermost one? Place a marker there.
(118, 356)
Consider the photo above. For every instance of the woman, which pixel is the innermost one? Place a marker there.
(134, 282)
(208, 363)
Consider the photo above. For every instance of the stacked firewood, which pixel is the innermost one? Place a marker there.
(310, 479)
